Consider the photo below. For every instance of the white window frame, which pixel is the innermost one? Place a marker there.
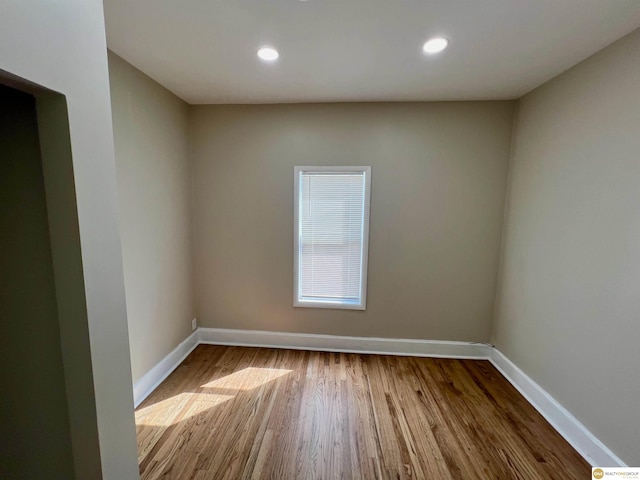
(297, 302)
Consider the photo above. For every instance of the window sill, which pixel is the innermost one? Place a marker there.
(332, 305)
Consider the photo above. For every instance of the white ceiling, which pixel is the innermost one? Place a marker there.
(360, 50)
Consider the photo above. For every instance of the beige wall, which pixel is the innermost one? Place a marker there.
(61, 46)
(568, 310)
(154, 182)
(438, 181)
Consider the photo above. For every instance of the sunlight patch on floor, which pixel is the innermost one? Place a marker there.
(186, 405)
(248, 378)
(179, 408)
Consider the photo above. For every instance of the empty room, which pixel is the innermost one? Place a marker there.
(319, 239)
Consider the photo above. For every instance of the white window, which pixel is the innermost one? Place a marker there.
(331, 236)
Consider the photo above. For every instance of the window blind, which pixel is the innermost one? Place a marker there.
(331, 236)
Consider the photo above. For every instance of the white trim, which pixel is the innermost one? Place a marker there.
(574, 432)
(586, 444)
(154, 377)
(333, 343)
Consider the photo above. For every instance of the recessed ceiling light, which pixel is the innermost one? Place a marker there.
(435, 45)
(268, 54)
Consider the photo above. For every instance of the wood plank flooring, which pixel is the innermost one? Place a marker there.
(254, 413)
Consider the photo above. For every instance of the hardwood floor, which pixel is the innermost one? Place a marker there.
(253, 413)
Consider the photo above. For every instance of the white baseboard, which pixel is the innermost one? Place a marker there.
(586, 444)
(154, 377)
(333, 343)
